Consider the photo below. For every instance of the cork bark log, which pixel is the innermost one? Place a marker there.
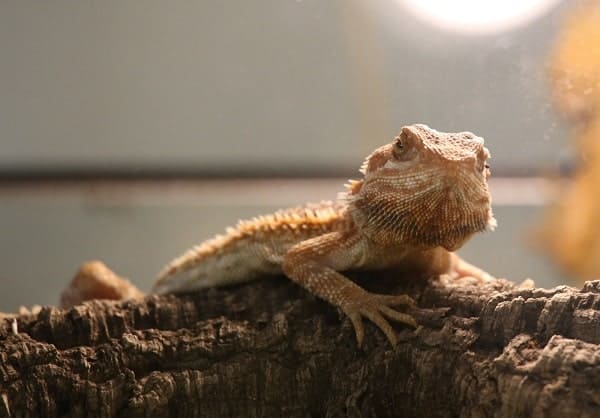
(268, 349)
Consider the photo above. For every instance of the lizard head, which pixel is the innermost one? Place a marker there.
(426, 188)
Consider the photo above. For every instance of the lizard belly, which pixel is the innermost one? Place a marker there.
(247, 262)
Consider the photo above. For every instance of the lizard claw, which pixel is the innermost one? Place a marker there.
(377, 309)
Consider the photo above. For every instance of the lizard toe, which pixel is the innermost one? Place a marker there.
(398, 316)
(378, 319)
(359, 328)
(395, 300)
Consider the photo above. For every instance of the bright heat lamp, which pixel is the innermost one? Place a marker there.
(478, 16)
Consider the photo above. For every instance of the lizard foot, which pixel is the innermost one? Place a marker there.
(96, 281)
(377, 308)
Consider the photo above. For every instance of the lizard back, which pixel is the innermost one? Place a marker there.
(251, 249)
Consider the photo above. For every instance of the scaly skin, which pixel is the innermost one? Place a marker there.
(421, 197)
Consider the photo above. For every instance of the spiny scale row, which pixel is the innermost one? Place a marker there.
(296, 220)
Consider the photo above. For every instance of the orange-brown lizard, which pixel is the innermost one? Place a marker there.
(421, 197)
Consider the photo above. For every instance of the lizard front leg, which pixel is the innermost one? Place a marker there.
(314, 264)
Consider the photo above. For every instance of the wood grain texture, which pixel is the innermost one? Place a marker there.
(268, 349)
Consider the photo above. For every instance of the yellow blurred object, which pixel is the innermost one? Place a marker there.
(575, 63)
(571, 230)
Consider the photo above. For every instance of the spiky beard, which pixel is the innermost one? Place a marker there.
(428, 208)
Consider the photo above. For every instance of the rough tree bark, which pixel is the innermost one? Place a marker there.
(268, 349)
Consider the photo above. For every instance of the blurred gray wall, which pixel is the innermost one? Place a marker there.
(272, 86)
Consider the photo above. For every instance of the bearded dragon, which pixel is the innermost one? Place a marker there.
(421, 197)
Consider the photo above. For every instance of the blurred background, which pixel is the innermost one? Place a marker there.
(130, 131)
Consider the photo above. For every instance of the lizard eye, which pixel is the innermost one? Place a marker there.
(402, 146)
(398, 143)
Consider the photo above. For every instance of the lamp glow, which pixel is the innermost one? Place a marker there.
(478, 16)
